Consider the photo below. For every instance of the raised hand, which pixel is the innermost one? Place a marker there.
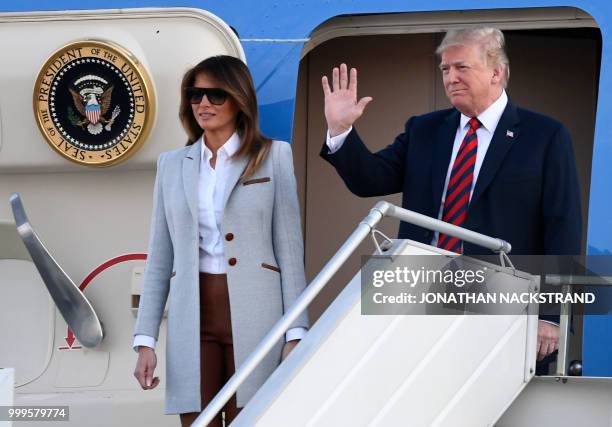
(341, 106)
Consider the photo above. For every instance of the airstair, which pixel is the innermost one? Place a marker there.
(443, 370)
(414, 368)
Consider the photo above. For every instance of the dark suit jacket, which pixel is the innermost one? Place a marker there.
(526, 192)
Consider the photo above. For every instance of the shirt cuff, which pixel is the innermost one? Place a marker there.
(295, 334)
(335, 143)
(549, 321)
(143, 340)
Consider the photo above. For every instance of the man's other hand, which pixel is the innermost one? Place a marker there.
(548, 339)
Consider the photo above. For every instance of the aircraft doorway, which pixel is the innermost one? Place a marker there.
(554, 71)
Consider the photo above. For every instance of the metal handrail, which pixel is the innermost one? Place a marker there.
(492, 243)
(570, 279)
(74, 307)
(566, 282)
(380, 210)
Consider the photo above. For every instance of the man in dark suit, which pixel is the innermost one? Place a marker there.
(486, 164)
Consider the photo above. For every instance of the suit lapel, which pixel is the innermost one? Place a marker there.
(443, 149)
(506, 134)
(191, 172)
(238, 165)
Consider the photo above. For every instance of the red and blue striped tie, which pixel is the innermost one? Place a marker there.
(459, 187)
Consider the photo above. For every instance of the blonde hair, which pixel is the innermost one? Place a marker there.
(491, 41)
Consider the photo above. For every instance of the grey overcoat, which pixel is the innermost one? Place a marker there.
(263, 215)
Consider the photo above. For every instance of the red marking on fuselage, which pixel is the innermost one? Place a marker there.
(111, 262)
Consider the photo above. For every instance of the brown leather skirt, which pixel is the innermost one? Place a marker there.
(216, 346)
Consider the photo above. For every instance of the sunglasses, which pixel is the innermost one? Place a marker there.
(215, 96)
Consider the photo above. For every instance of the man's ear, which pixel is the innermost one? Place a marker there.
(497, 74)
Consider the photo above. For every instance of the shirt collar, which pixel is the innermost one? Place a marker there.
(228, 149)
(490, 117)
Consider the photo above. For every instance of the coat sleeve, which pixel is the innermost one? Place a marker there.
(287, 230)
(368, 174)
(159, 265)
(562, 217)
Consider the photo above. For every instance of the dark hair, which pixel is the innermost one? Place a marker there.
(234, 77)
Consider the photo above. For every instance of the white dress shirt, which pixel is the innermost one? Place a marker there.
(212, 186)
(489, 119)
(211, 192)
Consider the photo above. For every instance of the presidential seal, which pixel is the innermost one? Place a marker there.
(93, 103)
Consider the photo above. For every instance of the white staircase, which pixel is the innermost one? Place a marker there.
(401, 370)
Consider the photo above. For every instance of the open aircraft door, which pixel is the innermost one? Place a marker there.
(86, 179)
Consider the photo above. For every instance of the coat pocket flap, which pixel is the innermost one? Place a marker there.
(270, 267)
(257, 180)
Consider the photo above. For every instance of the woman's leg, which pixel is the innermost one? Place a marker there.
(217, 361)
(214, 317)
(230, 408)
(211, 378)
(219, 322)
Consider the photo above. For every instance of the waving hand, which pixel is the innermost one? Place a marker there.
(341, 106)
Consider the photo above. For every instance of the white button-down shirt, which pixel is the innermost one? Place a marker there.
(212, 186)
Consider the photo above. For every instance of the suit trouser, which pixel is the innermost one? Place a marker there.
(216, 346)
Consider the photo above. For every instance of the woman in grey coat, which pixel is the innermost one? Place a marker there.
(225, 247)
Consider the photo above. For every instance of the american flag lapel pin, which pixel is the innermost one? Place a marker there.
(510, 134)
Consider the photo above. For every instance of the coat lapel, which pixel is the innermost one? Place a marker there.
(238, 166)
(445, 136)
(191, 171)
(506, 134)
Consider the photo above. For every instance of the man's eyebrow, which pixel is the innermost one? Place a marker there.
(455, 63)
